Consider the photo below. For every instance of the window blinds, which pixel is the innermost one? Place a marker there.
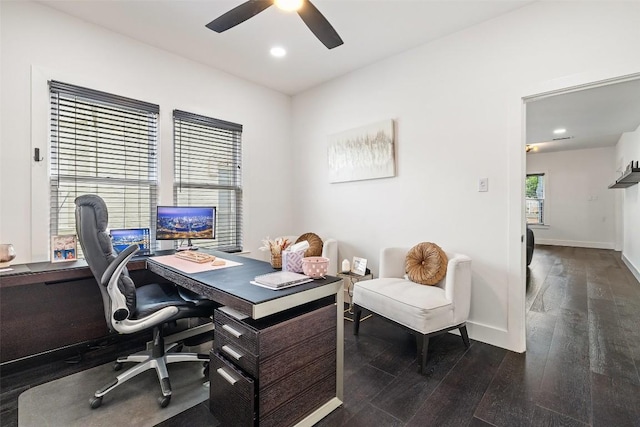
(106, 145)
(207, 155)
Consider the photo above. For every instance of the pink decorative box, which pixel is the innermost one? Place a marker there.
(292, 261)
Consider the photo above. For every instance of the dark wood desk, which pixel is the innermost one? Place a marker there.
(36, 301)
(282, 348)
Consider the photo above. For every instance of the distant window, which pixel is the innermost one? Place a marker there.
(208, 172)
(102, 144)
(534, 198)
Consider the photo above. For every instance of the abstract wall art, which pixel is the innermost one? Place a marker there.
(367, 152)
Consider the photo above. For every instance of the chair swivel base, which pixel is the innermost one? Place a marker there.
(146, 360)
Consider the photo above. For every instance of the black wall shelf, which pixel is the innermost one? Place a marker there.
(629, 178)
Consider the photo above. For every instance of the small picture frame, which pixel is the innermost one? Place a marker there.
(64, 248)
(359, 266)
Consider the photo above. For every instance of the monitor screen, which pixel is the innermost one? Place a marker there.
(121, 238)
(186, 222)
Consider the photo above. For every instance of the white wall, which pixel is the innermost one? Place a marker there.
(457, 103)
(580, 210)
(628, 149)
(39, 43)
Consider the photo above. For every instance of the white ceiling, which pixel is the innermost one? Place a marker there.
(371, 30)
(595, 117)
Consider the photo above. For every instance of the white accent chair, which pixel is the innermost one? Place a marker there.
(423, 310)
(329, 250)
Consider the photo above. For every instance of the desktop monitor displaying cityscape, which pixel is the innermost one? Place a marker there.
(121, 238)
(185, 222)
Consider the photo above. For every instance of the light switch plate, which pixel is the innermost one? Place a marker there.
(483, 184)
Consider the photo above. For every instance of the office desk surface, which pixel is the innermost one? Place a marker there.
(230, 286)
(48, 272)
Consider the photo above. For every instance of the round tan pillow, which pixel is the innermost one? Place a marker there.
(315, 244)
(426, 263)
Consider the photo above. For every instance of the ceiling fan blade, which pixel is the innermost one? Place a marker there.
(238, 15)
(319, 25)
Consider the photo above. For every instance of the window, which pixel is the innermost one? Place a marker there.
(106, 145)
(534, 198)
(207, 154)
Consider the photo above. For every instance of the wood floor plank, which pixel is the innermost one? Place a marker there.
(536, 275)
(397, 358)
(198, 415)
(454, 401)
(410, 389)
(598, 284)
(615, 402)
(510, 399)
(565, 385)
(543, 417)
(361, 352)
(359, 389)
(370, 415)
(551, 294)
(477, 422)
(609, 353)
(576, 294)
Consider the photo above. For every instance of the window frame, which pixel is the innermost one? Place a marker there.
(107, 145)
(544, 199)
(193, 135)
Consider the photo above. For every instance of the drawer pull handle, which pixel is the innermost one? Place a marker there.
(231, 352)
(232, 331)
(226, 376)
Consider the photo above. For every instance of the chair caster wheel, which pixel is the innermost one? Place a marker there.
(205, 371)
(95, 402)
(117, 366)
(163, 401)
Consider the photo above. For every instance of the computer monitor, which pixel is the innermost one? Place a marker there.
(186, 223)
(121, 238)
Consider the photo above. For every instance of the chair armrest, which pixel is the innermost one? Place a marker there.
(457, 285)
(330, 250)
(118, 264)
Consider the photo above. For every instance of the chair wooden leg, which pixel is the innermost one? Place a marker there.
(357, 313)
(465, 336)
(424, 348)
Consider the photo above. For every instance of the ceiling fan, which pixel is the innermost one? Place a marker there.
(311, 16)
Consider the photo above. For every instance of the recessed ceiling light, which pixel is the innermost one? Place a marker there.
(278, 51)
(288, 5)
(559, 131)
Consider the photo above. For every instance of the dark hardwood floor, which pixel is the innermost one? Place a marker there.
(581, 367)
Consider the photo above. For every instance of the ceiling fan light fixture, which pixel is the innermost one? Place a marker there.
(311, 16)
(288, 5)
(278, 51)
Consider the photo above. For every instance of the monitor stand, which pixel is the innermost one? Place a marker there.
(188, 247)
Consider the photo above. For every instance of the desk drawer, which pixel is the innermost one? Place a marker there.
(240, 356)
(231, 394)
(236, 332)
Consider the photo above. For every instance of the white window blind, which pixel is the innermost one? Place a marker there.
(208, 172)
(102, 144)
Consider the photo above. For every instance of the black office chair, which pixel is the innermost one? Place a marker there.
(129, 309)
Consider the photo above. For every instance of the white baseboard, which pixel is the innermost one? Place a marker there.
(631, 267)
(491, 335)
(576, 243)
